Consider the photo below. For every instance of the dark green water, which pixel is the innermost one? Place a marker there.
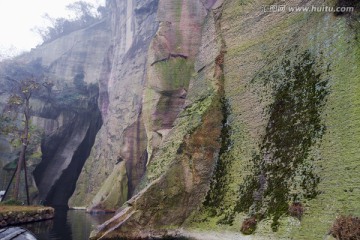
(67, 225)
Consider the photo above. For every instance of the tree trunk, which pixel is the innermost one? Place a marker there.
(18, 172)
(24, 142)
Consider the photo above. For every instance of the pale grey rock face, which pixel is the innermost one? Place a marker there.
(112, 55)
(122, 136)
(64, 153)
(72, 127)
(69, 115)
(80, 52)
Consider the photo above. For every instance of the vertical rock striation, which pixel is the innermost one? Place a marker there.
(170, 66)
(178, 175)
(64, 153)
(123, 136)
(68, 112)
(209, 114)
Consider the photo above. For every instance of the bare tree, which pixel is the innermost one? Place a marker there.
(19, 101)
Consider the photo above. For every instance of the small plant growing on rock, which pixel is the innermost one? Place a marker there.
(346, 228)
(249, 225)
(296, 210)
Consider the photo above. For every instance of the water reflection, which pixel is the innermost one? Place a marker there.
(67, 225)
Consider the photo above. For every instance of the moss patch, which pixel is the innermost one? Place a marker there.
(15, 208)
(175, 73)
(189, 119)
(11, 215)
(220, 182)
(282, 170)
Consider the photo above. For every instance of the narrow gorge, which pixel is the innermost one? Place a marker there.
(198, 118)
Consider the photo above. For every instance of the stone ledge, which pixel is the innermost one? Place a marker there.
(13, 215)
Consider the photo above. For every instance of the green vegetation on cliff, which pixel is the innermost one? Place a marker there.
(291, 80)
(175, 73)
(283, 172)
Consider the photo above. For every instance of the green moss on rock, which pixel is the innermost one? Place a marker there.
(175, 73)
(294, 126)
(113, 193)
(220, 182)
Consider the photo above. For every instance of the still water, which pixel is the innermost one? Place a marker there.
(67, 225)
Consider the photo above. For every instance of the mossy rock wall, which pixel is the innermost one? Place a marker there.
(177, 178)
(114, 191)
(259, 45)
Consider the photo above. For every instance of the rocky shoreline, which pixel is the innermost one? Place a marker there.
(10, 215)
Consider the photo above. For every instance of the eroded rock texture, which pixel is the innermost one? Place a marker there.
(187, 144)
(67, 112)
(281, 128)
(203, 114)
(123, 136)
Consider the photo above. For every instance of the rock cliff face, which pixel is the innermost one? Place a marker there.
(73, 64)
(184, 137)
(271, 85)
(205, 113)
(67, 111)
(123, 137)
